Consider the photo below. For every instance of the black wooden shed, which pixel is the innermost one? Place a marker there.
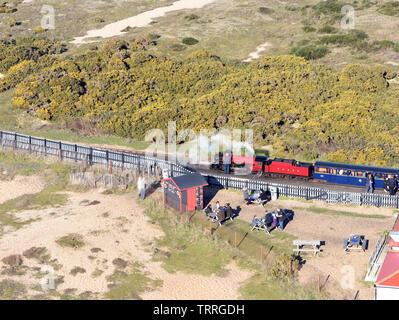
(185, 193)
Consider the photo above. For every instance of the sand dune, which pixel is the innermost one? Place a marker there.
(140, 20)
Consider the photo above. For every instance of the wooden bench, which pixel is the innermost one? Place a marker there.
(312, 243)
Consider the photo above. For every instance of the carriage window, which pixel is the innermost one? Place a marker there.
(359, 174)
(321, 170)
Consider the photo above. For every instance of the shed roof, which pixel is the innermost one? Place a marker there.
(355, 167)
(190, 180)
(389, 273)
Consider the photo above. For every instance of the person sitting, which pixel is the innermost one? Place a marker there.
(216, 207)
(221, 215)
(208, 210)
(255, 221)
(263, 197)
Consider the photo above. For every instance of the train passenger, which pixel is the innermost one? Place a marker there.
(370, 182)
(227, 162)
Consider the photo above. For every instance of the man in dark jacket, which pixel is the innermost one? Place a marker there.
(370, 182)
(392, 186)
(281, 219)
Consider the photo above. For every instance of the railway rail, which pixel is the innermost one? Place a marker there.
(125, 159)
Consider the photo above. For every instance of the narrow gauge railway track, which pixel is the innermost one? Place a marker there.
(295, 181)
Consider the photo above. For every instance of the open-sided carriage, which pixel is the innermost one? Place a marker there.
(355, 242)
(221, 215)
(270, 221)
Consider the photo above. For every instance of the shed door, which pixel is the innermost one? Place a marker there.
(199, 195)
(172, 196)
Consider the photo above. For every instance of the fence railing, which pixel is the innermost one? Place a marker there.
(75, 152)
(308, 193)
(128, 161)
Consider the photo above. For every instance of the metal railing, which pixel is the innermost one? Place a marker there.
(122, 160)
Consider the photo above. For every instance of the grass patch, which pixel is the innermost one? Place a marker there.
(72, 241)
(259, 287)
(10, 289)
(130, 285)
(332, 212)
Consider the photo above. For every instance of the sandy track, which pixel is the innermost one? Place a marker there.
(19, 186)
(140, 20)
(118, 226)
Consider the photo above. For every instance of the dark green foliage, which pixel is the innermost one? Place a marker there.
(308, 28)
(327, 29)
(310, 52)
(328, 7)
(14, 51)
(191, 17)
(265, 10)
(190, 41)
(389, 8)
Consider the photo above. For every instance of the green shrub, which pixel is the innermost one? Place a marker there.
(265, 10)
(71, 240)
(308, 28)
(328, 7)
(389, 8)
(327, 29)
(191, 17)
(310, 52)
(284, 267)
(190, 41)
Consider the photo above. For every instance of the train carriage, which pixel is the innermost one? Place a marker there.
(350, 174)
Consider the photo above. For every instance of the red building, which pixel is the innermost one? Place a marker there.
(185, 193)
(387, 284)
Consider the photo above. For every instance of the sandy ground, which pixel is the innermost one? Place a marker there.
(19, 186)
(140, 20)
(256, 54)
(333, 264)
(118, 226)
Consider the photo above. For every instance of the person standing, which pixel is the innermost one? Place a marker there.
(281, 219)
(227, 162)
(141, 185)
(370, 183)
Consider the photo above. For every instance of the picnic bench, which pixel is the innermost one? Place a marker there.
(356, 242)
(257, 196)
(221, 215)
(300, 244)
